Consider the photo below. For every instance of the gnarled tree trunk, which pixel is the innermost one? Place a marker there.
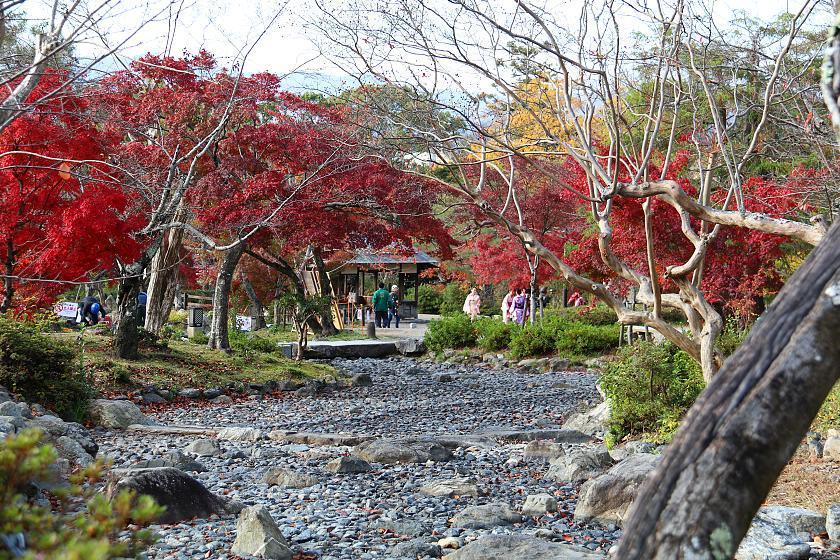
(326, 318)
(286, 270)
(746, 425)
(8, 281)
(221, 298)
(257, 309)
(126, 334)
(160, 295)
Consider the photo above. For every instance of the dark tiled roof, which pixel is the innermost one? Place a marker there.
(419, 257)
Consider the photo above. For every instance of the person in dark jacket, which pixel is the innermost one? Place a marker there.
(90, 310)
(393, 308)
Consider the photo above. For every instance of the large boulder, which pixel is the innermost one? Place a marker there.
(411, 346)
(391, 452)
(544, 449)
(205, 448)
(579, 463)
(449, 488)
(769, 539)
(831, 449)
(416, 548)
(607, 497)
(183, 496)
(832, 522)
(175, 459)
(539, 504)
(407, 527)
(486, 517)
(55, 427)
(240, 434)
(631, 448)
(115, 414)
(520, 547)
(803, 521)
(277, 476)
(258, 535)
(10, 408)
(348, 465)
(71, 450)
(591, 423)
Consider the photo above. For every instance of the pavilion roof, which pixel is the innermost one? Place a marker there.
(385, 258)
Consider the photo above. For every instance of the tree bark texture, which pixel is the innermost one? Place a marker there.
(745, 427)
(326, 318)
(126, 335)
(8, 281)
(257, 309)
(221, 298)
(160, 295)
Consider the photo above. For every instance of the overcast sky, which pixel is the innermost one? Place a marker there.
(226, 27)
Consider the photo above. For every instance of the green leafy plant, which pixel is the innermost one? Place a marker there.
(42, 369)
(429, 299)
(598, 315)
(828, 417)
(649, 388)
(452, 299)
(493, 335)
(304, 308)
(245, 343)
(731, 336)
(200, 338)
(453, 331)
(580, 339)
(83, 524)
(533, 340)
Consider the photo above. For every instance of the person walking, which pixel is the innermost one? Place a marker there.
(507, 305)
(394, 308)
(472, 305)
(380, 306)
(519, 303)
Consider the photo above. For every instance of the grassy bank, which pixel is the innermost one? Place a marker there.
(182, 364)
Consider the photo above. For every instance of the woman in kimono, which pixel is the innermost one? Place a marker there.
(472, 305)
(507, 305)
(519, 303)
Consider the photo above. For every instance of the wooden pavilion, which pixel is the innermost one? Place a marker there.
(356, 280)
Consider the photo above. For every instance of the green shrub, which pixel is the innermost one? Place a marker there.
(533, 340)
(650, 387)
(429, 299)
(452, 299)
(200, 338)
(598, 315)
(42, 369)
(580, 339)
(828, 417)
(243, 342)
(731, 337)
(178, 318)
(453, 331)
(87, 526)
(494, 335)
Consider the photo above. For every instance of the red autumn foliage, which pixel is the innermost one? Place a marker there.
(61, 215)
(740, 266)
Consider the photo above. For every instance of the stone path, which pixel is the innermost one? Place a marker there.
(382, 512)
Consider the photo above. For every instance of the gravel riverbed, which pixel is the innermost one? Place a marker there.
(366, 515)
